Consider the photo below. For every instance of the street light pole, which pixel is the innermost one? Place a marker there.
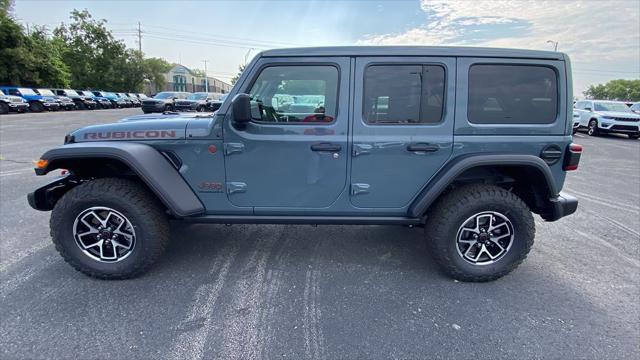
(206, 78)
(555, 44)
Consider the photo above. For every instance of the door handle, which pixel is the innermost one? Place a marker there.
(328, 147)
(422, 147)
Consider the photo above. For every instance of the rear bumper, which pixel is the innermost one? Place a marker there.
(561, 206)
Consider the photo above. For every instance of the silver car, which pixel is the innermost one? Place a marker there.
(602, 116)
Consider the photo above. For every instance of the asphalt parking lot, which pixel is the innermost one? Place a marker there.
(326, 292)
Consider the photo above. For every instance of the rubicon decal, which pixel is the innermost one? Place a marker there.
(137, 134)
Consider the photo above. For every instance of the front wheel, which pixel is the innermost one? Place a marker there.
(36, 106)
(480, 232)
(109, 228)
(592, 129)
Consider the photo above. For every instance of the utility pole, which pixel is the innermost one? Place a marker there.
(206, 78)
(139, 38)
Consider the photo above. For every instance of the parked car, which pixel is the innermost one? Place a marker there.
(101, 102)
(125, 98)
(37, 103)
(134, 99)
(65, 102)
(10, 103)
(601, 116)
(636, 108)
(82, 102)
(470, 160)
(200, 101)
(163, 101)
(116, 102)
(142, 96)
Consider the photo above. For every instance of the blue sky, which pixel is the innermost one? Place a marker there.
(602, 38)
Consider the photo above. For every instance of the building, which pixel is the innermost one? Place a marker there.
(181, 78)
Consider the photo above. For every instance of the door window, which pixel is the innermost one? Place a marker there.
(296, 94)
(403, 94)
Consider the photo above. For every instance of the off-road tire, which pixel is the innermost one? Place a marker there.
(592, 128)
(36, 106)
(4, 108)
(450, 212)
(127, 197)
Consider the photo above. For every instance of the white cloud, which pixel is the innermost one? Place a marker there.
(601, 37)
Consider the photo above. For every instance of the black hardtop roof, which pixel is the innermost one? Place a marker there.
(459, 51)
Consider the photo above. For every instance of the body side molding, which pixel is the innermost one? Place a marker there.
(148, 163)
(456, 167)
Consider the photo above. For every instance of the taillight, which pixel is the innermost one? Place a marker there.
(571, 160)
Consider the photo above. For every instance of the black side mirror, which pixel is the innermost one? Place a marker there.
(241, 107)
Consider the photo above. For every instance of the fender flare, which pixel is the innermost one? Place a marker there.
(456, 167)
(150, 165)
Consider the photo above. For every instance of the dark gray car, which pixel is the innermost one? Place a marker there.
(163, 101)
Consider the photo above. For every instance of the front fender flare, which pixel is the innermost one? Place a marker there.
(456, 167)
(149, 164)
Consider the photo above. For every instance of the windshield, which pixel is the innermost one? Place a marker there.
(46, 92)
(197, 96)
(25, 91)
(143, 96)
(611, 106)
(71, 92)
(164, 95)
(86, 93)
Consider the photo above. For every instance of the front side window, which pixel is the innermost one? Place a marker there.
(403, 94)
(296, 94)
(512, 94)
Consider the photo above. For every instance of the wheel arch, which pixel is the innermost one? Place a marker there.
(527, 176)
(119, 159)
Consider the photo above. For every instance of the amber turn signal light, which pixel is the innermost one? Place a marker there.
(42, 163)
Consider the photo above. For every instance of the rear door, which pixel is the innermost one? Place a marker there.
(293, 153)
(402, 127)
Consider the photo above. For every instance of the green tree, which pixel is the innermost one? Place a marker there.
(6, 7)
(237, 76)
(622, 90)
(154, 70)
(29, 60)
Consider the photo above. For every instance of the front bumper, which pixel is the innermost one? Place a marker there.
(560, 206)
(18, 107)
(616, 126)
(153, 107)
(51, 106)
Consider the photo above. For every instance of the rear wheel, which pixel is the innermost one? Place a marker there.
(480, 232)
(592, 128)
(36, 106)
(109, 228)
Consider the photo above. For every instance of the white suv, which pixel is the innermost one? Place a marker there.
(600, 116)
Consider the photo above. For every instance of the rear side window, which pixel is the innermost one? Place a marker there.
(403, 94)
(512, 94)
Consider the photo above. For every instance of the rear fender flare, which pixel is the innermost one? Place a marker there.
(456, 167)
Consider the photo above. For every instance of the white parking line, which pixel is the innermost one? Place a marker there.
(15, 172)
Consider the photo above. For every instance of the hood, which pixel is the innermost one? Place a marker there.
(136, 128)
(619, 114)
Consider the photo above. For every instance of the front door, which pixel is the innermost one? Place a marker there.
(402, 127)
(294, 152)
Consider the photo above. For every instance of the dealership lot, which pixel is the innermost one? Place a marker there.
(326, 292)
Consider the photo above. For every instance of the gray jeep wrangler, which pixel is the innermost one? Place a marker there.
(467, 143)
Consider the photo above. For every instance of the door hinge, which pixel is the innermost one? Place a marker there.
(230, 148)
(357, 189)
(236, 187)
